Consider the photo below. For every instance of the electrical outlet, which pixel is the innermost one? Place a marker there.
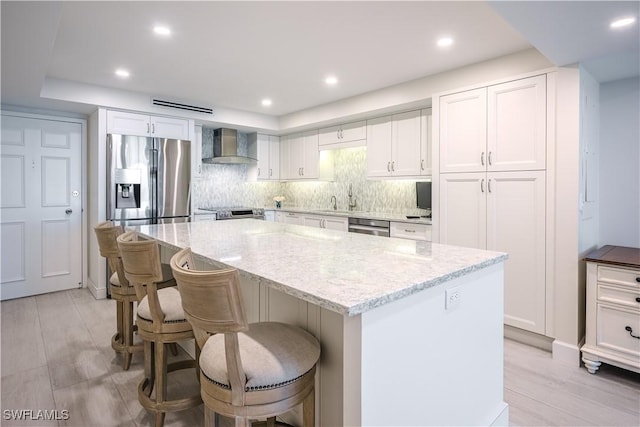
(452, 298)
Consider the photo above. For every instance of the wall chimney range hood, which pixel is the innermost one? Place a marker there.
(227, 150)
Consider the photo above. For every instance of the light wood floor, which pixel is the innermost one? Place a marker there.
(56, 354)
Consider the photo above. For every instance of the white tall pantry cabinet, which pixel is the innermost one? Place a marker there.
(492, 185)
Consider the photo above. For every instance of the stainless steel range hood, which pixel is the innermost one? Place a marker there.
(227, 150)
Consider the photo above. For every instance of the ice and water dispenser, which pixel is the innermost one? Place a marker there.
(127, 182)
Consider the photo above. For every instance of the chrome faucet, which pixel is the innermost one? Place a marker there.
(335, 201)
(351, 204)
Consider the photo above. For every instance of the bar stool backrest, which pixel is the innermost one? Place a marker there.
(106, 234)
(212, 300)
(142, 267)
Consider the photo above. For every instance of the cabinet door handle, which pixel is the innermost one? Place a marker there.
(409, 231)
(258, 171)
(422, 164)
(638, 279)
(302, 171)
(489, 185)
(148, 131)
(482, 158)
(482, 185)
(153, 128)
(489, 158)
(393, 166)
(270, 172)
(637, 299)
(388, 166)
(628, 329)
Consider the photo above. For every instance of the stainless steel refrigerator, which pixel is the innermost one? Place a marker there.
(148, 180)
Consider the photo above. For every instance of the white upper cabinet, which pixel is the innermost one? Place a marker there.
(196, 153)
(311, 155)
(379, 147)
(393, 145)
(463, 131)
(268, 148)
(300, 158)
(426, 151)
(497, 128)
(346, 135)
(516, 119)
(405, 144)
(124, 123)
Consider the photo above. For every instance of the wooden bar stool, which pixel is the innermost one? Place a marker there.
(161, 322)
(121, 292)
(247, 371)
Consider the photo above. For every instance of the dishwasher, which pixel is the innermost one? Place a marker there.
(375, 227)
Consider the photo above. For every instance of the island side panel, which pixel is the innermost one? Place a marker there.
(425, 365)
(338, 373)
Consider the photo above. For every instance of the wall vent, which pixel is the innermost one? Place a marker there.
(180, 106)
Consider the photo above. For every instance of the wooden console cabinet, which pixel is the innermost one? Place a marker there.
(613, 308)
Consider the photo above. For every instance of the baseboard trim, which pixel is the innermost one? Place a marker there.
(502, 420)
(530, 338)
(98, 293)
(566, 353)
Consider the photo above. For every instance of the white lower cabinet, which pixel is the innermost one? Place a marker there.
(502, 211)
(613, 316)
(411, 231)
(328, 222)
(292, 218)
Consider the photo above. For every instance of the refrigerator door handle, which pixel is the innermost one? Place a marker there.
(154, 182)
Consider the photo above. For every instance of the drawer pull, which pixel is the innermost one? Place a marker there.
(628, 329)
(638, 279)
(638, 299)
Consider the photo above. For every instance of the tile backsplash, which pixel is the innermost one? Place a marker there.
(225, 185)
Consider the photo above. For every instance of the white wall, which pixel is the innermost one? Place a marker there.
(620, 163)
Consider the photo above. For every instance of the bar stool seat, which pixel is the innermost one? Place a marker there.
(161, 322)
(247, 371)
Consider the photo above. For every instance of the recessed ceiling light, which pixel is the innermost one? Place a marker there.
(121, 72)
(622, 22)
(445, 41)
(331, 80)
(161, 30)
(266, 102)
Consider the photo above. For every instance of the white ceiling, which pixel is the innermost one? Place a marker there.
(233, 54)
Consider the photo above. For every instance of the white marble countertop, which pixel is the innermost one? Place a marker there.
(348, 273)
(387, 216)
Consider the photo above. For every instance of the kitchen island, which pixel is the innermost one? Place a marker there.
(411, 331)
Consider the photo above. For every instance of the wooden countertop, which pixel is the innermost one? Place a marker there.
(616, 255)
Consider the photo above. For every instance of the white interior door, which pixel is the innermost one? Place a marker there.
(41, 206)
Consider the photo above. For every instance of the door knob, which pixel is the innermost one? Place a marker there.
(68, 211)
